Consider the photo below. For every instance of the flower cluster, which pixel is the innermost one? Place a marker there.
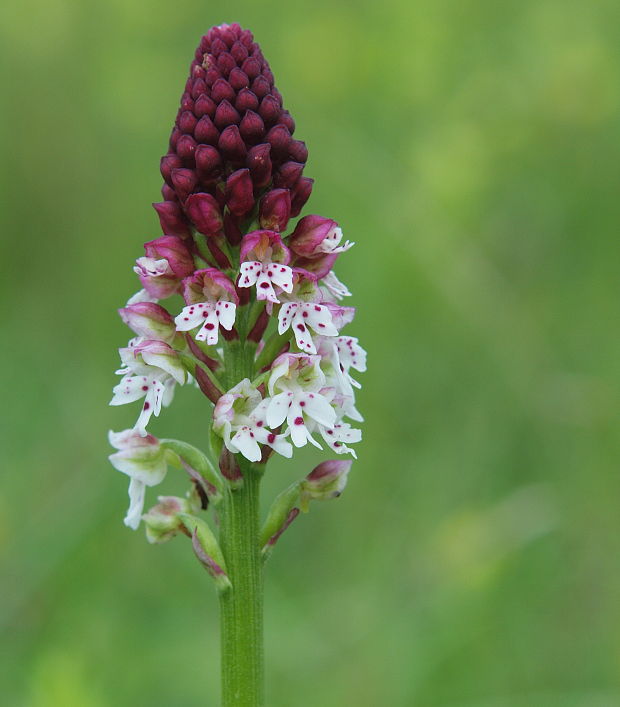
(260, 330)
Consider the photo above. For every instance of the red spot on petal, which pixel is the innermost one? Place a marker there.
(209, 326)
(271, 438)
(264, 285)
(147, 406)
(299, 420)
(145, 387)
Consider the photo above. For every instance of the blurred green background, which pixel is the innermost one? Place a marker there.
(472, 150)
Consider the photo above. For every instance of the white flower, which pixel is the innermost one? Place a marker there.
(208, 314)
(144, 461)
(331, 242)
(240, 418)
(151, 369)
(299, 378)
(300, 316)
(265, 276)
(334, 286)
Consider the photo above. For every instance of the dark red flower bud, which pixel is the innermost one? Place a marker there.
(231, 229)
(288, 174)
(225, 63)
(287, 119)
(208, 161)
(238, 79)
(225, 115)
(259, 164)
(279, 138)
(300, 194)
(298, 151)
(251, 67)
(246, 100)
(231, 144)
(187, 122)
(269, 110)
(187, 102)
(239, 52)
(184, 181)
(174, 136)
(206, 132)
(168, 193)
(198, 86)
(218, 47)
(172, 219)
(204, 106)
(239, 192)
(275, 209)
(204, 212)
(252, 128)
(186, 147)
(222, 91)
(260, 86)
(167, 164)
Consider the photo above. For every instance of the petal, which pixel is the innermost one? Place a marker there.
(278, 409)
(248, 272)
(226, 314)
(246, 443)
(136, 504)
(282, 276)
(191, 316)
(130, 389)
(302, 335)
(210, 329)
(264, 289)
(285, 316)
(320, 319)
(317, 407)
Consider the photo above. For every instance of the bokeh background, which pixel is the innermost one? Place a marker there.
(472, 150)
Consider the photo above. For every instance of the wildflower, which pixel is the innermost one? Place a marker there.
(264, 261)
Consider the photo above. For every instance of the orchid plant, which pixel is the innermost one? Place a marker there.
(259, 336)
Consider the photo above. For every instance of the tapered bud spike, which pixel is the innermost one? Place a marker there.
(239, 192)
(204, 212)
(275, 210)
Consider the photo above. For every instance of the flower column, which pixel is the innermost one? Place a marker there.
(259, 335)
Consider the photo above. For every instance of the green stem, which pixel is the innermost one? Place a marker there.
(242, 605)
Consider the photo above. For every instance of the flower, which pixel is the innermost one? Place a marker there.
(144, 461)
(211, 302)
(264, 264)
(300, 316)
(166, 263)
(150, 370)
(243, 411)
(149, 320)
(299, 379)
(334, 287)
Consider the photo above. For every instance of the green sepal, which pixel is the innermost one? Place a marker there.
(279, 517)
(197, 460)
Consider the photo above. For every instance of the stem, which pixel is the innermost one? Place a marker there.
(242, 605)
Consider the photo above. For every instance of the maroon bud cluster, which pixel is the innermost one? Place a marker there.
(232, 154)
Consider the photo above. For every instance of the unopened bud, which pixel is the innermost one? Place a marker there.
(204, 212)
(162, 521)
(324, 482)
(239, 192)
(275, 210)
(149, 320)
(172, 219)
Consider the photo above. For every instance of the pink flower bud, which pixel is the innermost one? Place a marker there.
(226, 115)
(264, 246)
(239, 192)
(208, 285)
(275, 209)
(204, 212)
(269, 110)
(310, 233)
(186, 147)
(172, 219)
(326, 481)
(222, 91)
(252, 128)
(149, 320)
(246, 100)
(279, 138)
(298, 151)
(173, 250)
(287, 119)
(167, 164)
(204, 106)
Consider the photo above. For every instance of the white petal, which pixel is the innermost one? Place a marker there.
(285, 316)
(136, 504)
(282, 276)
(248, 272)
(191, 316)
(226, 314)
(317, 407)
(210, 329)
(278, 409)
(264, 289)
(246, 443)
(302, 335)
(129, 389)
(320, 319)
